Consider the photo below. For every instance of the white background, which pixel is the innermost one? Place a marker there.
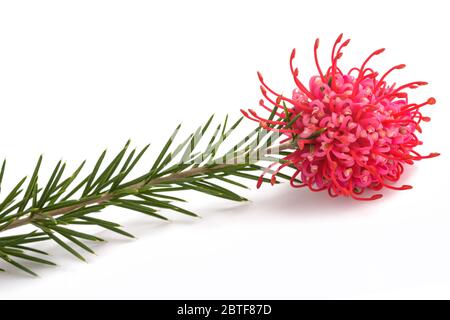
(78, 76)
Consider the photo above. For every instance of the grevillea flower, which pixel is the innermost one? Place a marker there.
(352, 131)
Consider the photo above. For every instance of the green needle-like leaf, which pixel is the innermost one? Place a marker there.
(2, 171)
(27, 257)
(17, 265)
(45, 193)
(164, 150)
(31, 185)
(10, 197)
(93, 173)
(132, 205)
(62, 243)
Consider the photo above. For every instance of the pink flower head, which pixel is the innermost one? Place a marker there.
(353, 131)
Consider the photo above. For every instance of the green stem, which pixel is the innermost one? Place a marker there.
(106, 197)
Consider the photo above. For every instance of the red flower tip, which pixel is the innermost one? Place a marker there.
(260, 77)
(353, 133)
(245, 113)
(376, 197)
(316, 44)
(379, 51)
(260, 182)
(278, 101)
(293, 54)
(434, 155)
(273, 180)
(263, 91)
(252, 112)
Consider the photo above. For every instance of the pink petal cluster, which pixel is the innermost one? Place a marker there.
(353, 131)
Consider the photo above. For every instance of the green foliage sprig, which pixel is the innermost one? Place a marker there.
(53, 208)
